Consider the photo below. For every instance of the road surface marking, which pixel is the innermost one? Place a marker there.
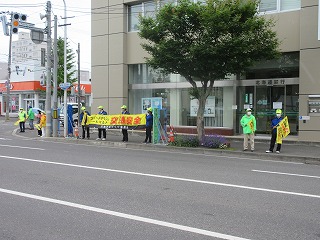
(124, 215)
(289, 174)
(165, 177)
(5, 139)
(12, 146)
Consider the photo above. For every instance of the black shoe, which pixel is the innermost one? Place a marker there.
(245, 150)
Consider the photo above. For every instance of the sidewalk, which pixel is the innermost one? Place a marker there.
(292, 149)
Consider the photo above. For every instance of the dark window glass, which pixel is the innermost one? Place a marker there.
(287, 66)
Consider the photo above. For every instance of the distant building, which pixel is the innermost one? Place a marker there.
(28, 75)
(3, 71)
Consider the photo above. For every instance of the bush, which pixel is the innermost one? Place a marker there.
(185, 141)
(215, 141)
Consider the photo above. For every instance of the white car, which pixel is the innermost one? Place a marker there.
(75, 112)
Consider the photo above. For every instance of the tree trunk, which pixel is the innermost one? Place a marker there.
(200, 118)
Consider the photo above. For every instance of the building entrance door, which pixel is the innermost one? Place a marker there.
(268, 98)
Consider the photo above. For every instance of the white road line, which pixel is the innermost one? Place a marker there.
(1, 145)
(124, 215)
(166, 177)
(289, 174)
(5, 139)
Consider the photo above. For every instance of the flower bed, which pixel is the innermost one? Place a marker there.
(209, 141)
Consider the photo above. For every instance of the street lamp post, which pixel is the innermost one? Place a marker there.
(65, 133)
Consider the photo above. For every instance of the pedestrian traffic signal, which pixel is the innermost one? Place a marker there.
(16, 20)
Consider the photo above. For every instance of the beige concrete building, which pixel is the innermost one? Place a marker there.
(120, 75)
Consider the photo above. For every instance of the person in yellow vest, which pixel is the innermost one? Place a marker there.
(249, 125)
(124, 128)
(43, 122)
(84, 119)
(22, 115)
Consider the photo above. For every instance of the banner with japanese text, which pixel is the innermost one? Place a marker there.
(117, 121)
(283, 130)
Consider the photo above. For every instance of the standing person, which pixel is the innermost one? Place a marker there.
(43, 123)
(38, 123)
(124, 131)
(22, 116)
(31, 118)
(84, 119)
(149, 124)
(274, 124)
(102, 131)
(249, 125)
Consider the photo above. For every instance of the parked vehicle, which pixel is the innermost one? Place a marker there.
(75, 112)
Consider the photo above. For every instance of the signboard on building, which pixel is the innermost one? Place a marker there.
(154, 102)
(209, 110)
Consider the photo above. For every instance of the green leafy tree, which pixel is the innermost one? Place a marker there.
(70, 65)
(208, 41)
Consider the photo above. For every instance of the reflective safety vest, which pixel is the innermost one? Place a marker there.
(22, 116)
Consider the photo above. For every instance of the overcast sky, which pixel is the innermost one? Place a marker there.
(78, 32)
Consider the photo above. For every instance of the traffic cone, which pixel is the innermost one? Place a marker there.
(171, 135)
(76, 131)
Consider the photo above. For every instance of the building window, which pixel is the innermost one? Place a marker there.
(133, 18)
(279, 5)
(290, 4)
(287, 66)
(149, 8)
(164, 2)
(143, 74)
(181, 107)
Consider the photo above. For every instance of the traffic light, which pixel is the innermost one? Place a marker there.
(16, 20)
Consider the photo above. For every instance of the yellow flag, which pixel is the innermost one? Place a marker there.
(17, 123)
(283, 130)
(251, 125)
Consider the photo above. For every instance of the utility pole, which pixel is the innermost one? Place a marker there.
(9, 76)
(48, 84)
(79, 90)
(55, 81)
(65, 132)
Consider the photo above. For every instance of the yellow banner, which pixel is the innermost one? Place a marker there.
(117, 120)
(283, 130)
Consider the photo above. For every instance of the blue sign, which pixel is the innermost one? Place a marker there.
(64, 86)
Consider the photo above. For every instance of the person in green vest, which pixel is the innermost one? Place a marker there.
(249, 126)
(22, 116)
(31, 118)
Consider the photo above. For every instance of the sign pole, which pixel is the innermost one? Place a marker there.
(55, 82)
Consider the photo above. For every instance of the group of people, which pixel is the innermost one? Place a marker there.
(249, 125)
(23, 116)
(102, 132)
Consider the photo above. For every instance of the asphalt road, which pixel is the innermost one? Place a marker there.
(53, 190)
